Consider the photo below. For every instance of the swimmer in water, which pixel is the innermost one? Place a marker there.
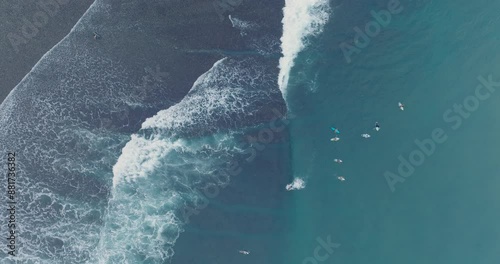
(365, 135)
(401, 106)
(335, 139)
(340, 178)
(377, 126)
(244, 252)
(337, 161)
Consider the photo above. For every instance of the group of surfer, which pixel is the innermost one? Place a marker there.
(337, 138)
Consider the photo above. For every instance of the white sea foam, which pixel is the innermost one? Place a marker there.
(301, 19)
(61, 157)
(195, 108)
(141, 217)
(158, 174)
(297, 184)
(153, 180)
(227, 92)
(141, 156)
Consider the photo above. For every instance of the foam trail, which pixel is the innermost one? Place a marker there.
(301, 19)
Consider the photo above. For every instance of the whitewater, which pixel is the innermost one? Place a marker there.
(302, 19)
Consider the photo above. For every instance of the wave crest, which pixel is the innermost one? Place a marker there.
(301, 19)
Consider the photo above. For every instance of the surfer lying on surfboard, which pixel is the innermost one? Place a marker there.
(335, 130)
(401, 106)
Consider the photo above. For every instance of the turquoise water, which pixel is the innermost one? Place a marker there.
(429, 57)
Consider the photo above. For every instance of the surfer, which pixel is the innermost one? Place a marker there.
(244, 252)
(401, 106)
(297, 184)
(335, 139)
(377, 126)
(96, 36)
(335, 130)
(365, 135)
(340, 178)
(337, 161)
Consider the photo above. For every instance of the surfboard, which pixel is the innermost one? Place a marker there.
(401, 106)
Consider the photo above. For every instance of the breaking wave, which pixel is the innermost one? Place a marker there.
(91, 191)
(301, 19)
(164, 166)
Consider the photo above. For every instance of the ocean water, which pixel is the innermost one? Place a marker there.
(430, 56)
(114, 171)
(118, 145)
